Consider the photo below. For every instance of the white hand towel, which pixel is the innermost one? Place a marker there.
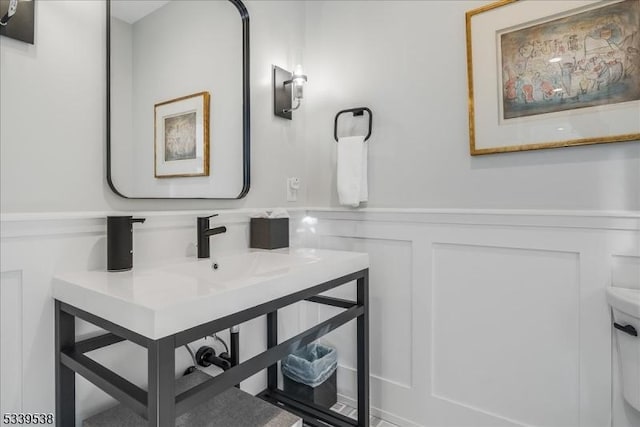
(352, 171)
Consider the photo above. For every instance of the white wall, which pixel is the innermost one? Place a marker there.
(406, 60)
(52, 113)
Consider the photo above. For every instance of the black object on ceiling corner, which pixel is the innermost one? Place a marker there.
(19, 25)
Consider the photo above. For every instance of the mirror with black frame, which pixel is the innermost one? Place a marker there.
(178, 98)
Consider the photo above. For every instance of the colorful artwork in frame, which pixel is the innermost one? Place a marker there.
(581, 60)
(182, 137)
(551, 74)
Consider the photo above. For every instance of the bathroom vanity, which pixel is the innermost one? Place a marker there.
(166, 307)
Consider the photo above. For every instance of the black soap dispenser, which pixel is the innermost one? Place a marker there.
(120, 242)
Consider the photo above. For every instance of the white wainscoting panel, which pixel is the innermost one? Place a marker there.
(509, 324)
(505, 328)
(11, 343)
(391, 321)
(435, 276)
(390, 296)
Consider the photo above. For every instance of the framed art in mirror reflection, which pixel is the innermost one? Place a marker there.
(182, 137)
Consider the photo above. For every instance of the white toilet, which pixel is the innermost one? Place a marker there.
(626, 317)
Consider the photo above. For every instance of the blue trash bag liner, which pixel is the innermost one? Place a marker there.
(311, 365)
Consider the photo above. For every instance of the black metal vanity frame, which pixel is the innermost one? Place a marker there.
(160, 406)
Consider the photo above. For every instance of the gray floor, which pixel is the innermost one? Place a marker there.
(350, 412)
(233, 407)
(216, 413)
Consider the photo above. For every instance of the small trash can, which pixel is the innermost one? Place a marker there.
(310, 374)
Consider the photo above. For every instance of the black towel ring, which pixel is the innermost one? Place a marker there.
(358, 111)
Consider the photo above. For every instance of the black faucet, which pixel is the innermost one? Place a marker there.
(204, 232)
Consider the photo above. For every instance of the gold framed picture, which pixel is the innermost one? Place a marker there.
(553, 74)
(182, 137)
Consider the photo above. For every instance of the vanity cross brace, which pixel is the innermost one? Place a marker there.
(159, 404)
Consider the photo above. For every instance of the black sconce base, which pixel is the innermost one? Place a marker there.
(281, 92)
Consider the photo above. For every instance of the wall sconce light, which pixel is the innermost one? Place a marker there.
(287, 87)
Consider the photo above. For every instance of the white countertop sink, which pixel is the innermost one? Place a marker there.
(160, 301)
(237, 269)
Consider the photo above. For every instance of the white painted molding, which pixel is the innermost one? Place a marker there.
(17, 225)
(604, 220)
(56, 216)
(13, 225)
(545, 212)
